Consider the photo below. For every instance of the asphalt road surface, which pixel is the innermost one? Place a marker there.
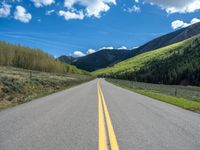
(79, 118)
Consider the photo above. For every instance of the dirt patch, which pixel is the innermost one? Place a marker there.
(70, 78)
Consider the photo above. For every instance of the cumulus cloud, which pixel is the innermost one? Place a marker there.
(21, 14)
(177, 24)
(91, 7)
(177, 6)
(194, 20)
(71, 15)
(4, 10)
(90, 51)
(78, 54)
(133, 9)
(41, 3)
(49, 12)
(108, 48)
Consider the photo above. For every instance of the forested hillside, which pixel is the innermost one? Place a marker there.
(101, 59)
(174, 64)
(33, 59)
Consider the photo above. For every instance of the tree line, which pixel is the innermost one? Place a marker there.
(33, 59)
(182, 66)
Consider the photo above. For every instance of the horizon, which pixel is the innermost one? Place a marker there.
(81, 28)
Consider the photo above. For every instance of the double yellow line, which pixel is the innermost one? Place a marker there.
(107, 137)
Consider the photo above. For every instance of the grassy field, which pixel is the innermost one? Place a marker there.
(187, 97)
(18, 85)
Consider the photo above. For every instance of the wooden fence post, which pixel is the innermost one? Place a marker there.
(30, 75)
(175, 92)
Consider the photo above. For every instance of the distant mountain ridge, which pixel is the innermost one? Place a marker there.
(171, 38)
(67, 59)
(101, 59)
(107, 58)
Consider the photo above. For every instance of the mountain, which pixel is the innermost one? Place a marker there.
(33, 59)
(106, 58)
(101, 59)
(67, 59)
(171, 38)
(173, 64)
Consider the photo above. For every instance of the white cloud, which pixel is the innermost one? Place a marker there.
(49, 12)
(180, 24)
(81, 54)
(71, 15)
(90, 51)
(107, 48)
(78, 54)
(122, 47)
(137, 1)
(177, 6)
(21, 14)
(194, 20)
(132, 9)
(41, 3)
(5, 10)
(91, 7)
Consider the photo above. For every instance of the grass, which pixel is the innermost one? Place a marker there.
(186, 97)
(17, 87)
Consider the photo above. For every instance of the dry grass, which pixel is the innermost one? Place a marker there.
(17, 87)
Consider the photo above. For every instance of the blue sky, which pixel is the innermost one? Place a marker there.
(72, 27)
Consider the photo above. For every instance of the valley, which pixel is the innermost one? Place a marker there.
(99, 75)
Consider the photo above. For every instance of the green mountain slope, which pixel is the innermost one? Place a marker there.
(33, 59)
(97, 60)
(106, 58)
(174, 64)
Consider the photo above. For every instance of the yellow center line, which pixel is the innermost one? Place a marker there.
(102, 128)
(110, 129)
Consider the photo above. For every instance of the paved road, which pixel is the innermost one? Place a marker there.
(68, 120)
